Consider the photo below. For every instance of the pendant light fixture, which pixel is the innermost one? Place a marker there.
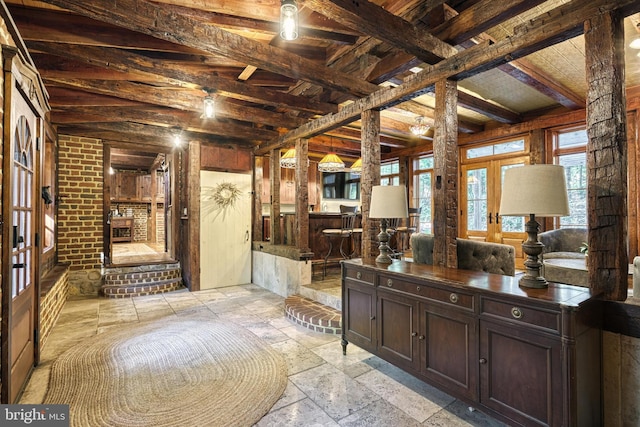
(331, 162)
(419, 127)
(288, 20)
(288, 160)
(356, 167)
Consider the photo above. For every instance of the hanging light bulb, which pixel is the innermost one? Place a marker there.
(288, 20)
(419, 127)
(356, 167)
(288, 160)
(209, 107)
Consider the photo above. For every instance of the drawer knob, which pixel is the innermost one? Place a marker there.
(516, 313)
(483, 361)
(453, 298)
(358, 275)
(389, 282)
(418, 288)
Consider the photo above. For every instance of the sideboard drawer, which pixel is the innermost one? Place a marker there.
(546, 319)
(456, 298)
(364, 276)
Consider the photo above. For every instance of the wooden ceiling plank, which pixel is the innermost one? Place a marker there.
(179, 99)
(124, 61)
(153, 20)
(550, 28)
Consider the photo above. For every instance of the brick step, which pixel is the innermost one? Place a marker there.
(130, 281)
(313, 315)
(127, 291)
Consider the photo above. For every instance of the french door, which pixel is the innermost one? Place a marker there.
(19, 322)
(480, 219)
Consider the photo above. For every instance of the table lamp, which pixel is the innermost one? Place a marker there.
(534, 190)
(387, 201)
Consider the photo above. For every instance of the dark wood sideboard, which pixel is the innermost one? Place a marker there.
(525, 356)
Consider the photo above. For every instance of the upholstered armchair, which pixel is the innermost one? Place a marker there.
(422, 248)
(486, 256)
(563, 243)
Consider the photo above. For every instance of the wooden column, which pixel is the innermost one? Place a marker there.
(274, 182)
(633, 197)
(258, 176)
(370, 151)
(445, 169)
(607, 156)
(192, 200)
(302, 195)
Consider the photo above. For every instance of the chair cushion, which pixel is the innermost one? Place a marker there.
(422, 248)
(486, 256)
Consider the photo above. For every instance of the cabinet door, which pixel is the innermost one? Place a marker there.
(521, 373)
(448, 349)
(397, 329)
(127, 186)
(145, 187)
(359, 314)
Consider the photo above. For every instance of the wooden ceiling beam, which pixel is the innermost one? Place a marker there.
(160, 117)
(176, 74)
(385, 26)
(181, 99)
(153, 20)
(564, 22)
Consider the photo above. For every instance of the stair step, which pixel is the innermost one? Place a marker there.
(313, 315)
(150, 279)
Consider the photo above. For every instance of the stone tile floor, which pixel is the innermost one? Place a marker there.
(325, 388)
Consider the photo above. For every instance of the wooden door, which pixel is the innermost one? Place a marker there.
(225, 229)
(480, 219)
(19, 321)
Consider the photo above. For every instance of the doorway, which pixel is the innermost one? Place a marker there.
(137, 207)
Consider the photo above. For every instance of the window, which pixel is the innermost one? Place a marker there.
(569, 150)
(423, 191)
(340, 185)
(48, 194)
(390, 173)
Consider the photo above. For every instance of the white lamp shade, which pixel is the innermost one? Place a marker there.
(534, 189)
(389, 201)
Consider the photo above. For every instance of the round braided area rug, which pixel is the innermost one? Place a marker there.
(170, 372)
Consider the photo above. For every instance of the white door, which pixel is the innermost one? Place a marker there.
(225, 229)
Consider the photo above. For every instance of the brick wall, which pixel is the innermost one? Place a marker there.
(80, 211)
(53, 295)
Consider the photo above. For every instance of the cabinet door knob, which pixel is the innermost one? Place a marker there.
(358, 275)
(413, 334)
(516, 312)
(453, 298)
(421, 337)
(373, 318)
(389, 282)
(483, 361)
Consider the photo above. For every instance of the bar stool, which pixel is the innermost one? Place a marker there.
(413, 224)
(344, 233)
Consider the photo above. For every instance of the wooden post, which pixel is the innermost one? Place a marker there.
(370, 176)
(274, 182)
(191, 199)
(302, 195)
(445, 168)
(606, 156)
(258, 176)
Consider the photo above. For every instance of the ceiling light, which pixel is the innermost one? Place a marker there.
(356, 167)
(209, 107)
(419, 127)
(331, 163)
(635, 43)
(288, 20)
(288, 161)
